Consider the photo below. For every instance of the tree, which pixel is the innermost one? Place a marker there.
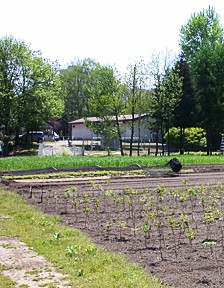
(202, 29)
(137, 97)
(107, 101)
(29, 88)
(173, 83)
(77, 82)
(167, 93)
(201, 42)
(186, 111)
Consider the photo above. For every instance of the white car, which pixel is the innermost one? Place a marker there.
(55, 136)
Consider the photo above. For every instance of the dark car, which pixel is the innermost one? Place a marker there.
(32, 136)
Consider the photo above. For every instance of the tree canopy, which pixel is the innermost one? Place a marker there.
(30, 87)
(202, 46)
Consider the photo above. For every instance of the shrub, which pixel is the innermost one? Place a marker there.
(194, 138)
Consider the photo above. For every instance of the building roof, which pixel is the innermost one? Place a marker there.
(121, 118)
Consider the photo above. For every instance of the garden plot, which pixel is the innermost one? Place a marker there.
(172, 226)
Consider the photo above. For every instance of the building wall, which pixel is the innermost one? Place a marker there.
(141, 130)
(80, 131)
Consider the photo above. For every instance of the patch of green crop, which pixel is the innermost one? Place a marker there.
(37, 162)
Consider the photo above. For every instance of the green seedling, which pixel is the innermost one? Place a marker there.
(210, 245)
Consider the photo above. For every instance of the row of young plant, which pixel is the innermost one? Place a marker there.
(160, 216)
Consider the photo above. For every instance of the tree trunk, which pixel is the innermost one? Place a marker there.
(181, 140)
(157, 143)
(119, 136)
(132, 136)
(209, 140)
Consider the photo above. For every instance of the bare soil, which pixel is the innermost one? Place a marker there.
(150, 218)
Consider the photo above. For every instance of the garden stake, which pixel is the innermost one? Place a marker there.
(31, 192)
(41, 195)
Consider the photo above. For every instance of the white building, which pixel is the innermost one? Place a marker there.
(80, 131)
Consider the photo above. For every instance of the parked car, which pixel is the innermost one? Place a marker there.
(52, 136)
(32, 136)
(56, 137)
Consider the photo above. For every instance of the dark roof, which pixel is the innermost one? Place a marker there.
(98, 119)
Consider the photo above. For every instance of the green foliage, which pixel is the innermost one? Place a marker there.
(201, 44)
(202, 29)
(77, 84)
(25, 78)
(185, 113)
(36, 162)
(167, 94)
(194, 138)
(106, 101)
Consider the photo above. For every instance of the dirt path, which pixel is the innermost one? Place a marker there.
(25, 267)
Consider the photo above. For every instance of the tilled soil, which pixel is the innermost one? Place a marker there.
(170, 224)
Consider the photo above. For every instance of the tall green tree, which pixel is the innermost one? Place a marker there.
(30, 89)
(186, 111)
(202, 29)
(167, 92)
(167, 95)
(201, 42)
(77, 82)
(107, 103)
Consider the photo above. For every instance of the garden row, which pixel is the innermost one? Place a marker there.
(161, 219)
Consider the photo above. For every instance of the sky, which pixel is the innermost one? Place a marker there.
(113, 32)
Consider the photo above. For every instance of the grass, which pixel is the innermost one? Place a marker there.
(36, 162)
(72, 252)
(5, 281)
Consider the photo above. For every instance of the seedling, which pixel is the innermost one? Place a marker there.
(209, 219)
(109, 225)
(191, 235)
(74, 250)
(173, 224)
(209, 244)
(146, 229)
(90, 249)
(56, 236)
(80, 272)
(66, 197)
(75, 204)
(87, 211)
(122, 225)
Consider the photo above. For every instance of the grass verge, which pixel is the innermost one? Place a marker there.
(70, 251)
